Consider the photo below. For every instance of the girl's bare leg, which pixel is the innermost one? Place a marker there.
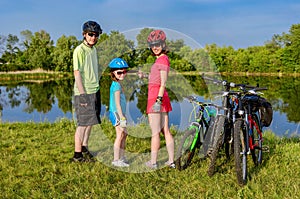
(155, 124)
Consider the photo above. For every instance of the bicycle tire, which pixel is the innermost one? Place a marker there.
(240, 151)
(256, 140)
(208, 137)
(228, 139)
(184, 153)
(217, 143)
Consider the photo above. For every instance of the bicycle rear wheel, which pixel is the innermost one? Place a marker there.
(186, 150)
(218, 136)
(257, 142)
(240, 151)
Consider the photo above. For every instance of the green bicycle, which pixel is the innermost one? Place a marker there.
(196, 135)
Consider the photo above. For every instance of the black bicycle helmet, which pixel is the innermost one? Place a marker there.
(91, 26)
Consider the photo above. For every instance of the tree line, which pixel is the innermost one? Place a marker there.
(36, 50)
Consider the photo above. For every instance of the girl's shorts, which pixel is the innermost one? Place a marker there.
(114, 118)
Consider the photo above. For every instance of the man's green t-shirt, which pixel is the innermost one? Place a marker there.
(86, 62)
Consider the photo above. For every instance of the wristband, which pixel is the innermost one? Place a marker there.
(159, 99)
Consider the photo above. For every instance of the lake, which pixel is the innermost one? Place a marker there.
(52, 100)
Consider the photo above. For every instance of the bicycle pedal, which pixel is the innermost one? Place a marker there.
(266, 149)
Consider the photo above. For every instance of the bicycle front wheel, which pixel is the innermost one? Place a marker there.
(228, 139)
(186, 149)
(240, 151)
(256, 138)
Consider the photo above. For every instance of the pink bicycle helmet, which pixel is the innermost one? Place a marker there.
(156, 36)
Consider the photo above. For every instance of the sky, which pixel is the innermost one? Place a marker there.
(237, 23)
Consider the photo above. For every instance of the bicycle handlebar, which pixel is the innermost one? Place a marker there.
(260, 88)
(242, 87)
(193, 99)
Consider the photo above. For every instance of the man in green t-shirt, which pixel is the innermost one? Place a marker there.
(87, 99)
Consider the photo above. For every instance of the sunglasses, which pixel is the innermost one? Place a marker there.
(155, 45)
(121, 72)
(91, 34)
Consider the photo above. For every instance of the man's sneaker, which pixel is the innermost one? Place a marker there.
(150, 165)
(170, 165)
(80, 159)
(87, 154)
(119, 163)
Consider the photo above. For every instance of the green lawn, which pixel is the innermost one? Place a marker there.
(35, 164)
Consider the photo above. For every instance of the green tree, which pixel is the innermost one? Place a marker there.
(38, 51)
(12, 49)
(293, 48)
(116, 45)
(175, 46)
(2, 44)
(63, 53)
(222, 57)
(27, 37)
(259, 59)
(241, 60)
(142, 38)
(142, 49)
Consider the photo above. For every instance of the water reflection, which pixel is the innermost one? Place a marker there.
(51, 100)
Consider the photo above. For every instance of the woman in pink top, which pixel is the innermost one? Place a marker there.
(158, 105)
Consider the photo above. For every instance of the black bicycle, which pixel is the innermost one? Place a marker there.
(223, 131)
(248, 136)
(195, 136)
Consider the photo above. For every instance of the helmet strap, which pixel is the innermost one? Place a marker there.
(87, 43)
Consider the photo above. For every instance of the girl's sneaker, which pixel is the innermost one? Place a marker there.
(170, 165)
(124, 159)
(150, 165)
(119, 163)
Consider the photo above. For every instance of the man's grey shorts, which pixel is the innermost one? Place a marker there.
(87, 109)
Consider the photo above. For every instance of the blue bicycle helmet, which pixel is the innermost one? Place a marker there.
(118, 63)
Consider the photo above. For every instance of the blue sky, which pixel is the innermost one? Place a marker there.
(237, 23)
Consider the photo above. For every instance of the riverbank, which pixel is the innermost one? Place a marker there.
(244, 74)
(37, 72)
(35, 164)
(38, 75)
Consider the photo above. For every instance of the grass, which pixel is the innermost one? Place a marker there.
(35, 164)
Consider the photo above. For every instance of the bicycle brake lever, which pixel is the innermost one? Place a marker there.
(225, 94)
(252, 92)
(232, 84)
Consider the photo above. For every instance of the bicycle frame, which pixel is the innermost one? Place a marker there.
(251, 123)
(194, 136)
(247, 132)
(200, 120)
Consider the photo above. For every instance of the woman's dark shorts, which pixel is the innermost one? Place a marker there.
(87, 109)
